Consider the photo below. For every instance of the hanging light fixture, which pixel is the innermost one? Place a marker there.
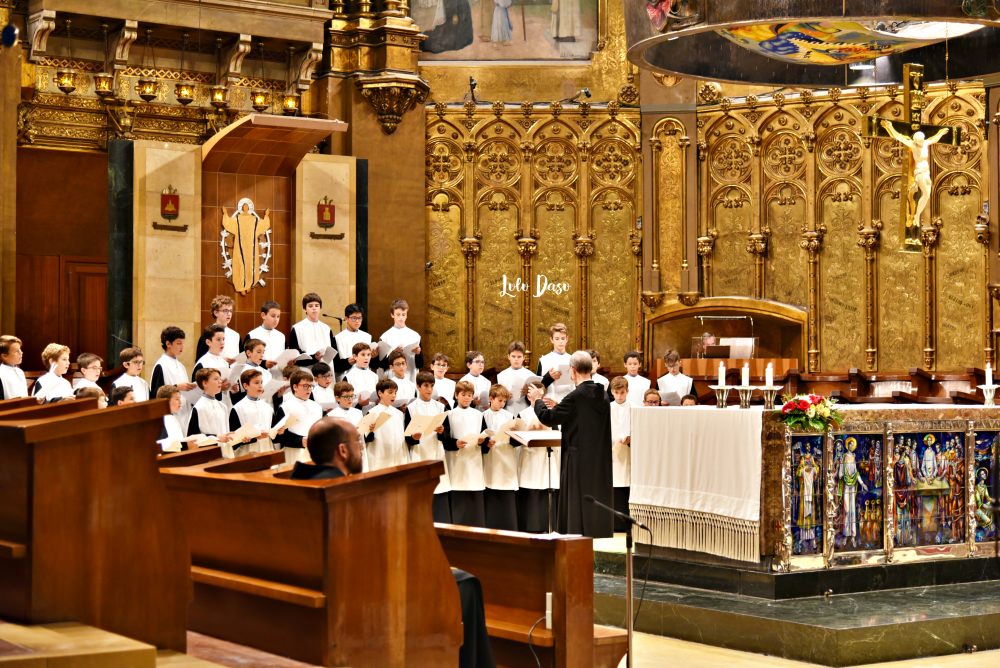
(104, 81)
(65, 78)
(291, 101)
(260, 97)
(218, 95)
(184, 90)
(148, 87)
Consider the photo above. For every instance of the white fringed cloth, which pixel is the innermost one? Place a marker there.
(696, 475)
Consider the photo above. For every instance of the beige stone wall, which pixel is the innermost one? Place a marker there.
(166, 282)
(324, 266)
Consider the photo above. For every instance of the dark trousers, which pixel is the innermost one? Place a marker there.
(467, 508)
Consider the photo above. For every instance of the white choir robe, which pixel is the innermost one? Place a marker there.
(482, 384)
(509, 378)
(274, 341)
(12, 382)
(405, 391)
(50, 386)
(637, 386)
(83, 382)
(444, 388)
(173, 436)
(323, 395)
(429, 448)
(500, 463)
(363, 381)
(352, 415)
(677, 383)
(548, 362)
(232, 347)
(601, 380)
(621, 454)
(465, 465)
(140, 388)
(387, 445)
(532, 472)
(310, 337)
(258, 413)
(210, 361)
(308, 413)
(209, 417)
(344, 342)
(397, 337)
(171, 371)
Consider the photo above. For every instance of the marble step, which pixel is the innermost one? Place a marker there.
(839, 630)
(71, 645)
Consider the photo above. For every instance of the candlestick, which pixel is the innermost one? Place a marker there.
(769, 375)
(722, 374)
(989, 391)
(745, 375)
(989, 374)
(721, 395)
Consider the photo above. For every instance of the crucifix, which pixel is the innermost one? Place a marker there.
(917, 138)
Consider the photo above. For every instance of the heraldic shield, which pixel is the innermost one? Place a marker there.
(241, 259)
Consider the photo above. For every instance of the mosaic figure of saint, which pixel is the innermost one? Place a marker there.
(807, 519)
(246, 227)
(848, 481)
(983, 501)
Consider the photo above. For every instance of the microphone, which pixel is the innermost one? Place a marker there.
(121, 340)
(628, 518)
(335, 317)
(583, 92)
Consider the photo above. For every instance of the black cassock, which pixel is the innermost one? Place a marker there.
(585, 416)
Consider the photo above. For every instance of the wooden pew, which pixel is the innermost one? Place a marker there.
(16, 404)
(168, 460)
(516, 570)
(87, 529)
(333, 572)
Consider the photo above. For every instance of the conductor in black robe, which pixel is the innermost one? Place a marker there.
(585, 416)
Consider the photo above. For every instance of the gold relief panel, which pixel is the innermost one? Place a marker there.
(445, 278)
(842, 300)
(732, 266)
(785, 279)
(669, 192)
(554, 280)
(498, 276)
(961, 274)
(900, 289)
(612, 276)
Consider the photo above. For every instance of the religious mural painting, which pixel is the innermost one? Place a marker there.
(986, 444)
(807, 494)
(249, 230)
(507, 29)
(857, 468)
(929, 488)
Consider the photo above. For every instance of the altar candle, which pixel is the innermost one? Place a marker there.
(989, 374)
(745, 376)
(769, 375)
(722, 374)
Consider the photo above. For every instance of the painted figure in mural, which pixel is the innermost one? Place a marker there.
(920, 179)
(902, 481)
(807, 519)
(565, 25)
(848, 481)
(875, 462)
(502, 31)
(983, 501)
(456, 31)
(246, 227)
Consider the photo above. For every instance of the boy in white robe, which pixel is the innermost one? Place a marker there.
(344, 394)
(214, 337)
(428, 446)
(475, 363)
(302, 412)
(514, 377)
(386, 445)
(254, 411)
(222, 310)
(13, 384)
(90, 366)
(362, 378)
(133, 362)
(500, 464)
(465, 444)
(552, 365)
(637, 385)
(311, 336)
(172, 435)
(169, 370)
(621, 447)
(596, 377)
(254, 350)
(673, 383)
(274, 340)
(444, 388)
(533, 477)
(208, 415)
(323, 389)
(347, 337)
(405, 390)
(400, 336)
(52, 386)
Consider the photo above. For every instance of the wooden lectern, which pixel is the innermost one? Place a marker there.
(87, 529)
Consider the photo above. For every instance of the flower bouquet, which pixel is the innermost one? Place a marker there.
(809, 412)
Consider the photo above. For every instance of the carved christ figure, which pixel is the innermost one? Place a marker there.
(920, 179)
(246, 227)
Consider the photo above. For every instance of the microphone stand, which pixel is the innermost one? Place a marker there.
(335, 317)
(630, 522)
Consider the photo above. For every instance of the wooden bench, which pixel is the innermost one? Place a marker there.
(516, 570)
(336, 572)
(87, 528)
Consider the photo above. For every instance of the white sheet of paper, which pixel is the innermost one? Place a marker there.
(283, 359)
(527, 436)
(234, 372)
(247, 432)
(206, 441)
(384, 348)
(192, 396)
(240, 359)
(502, 435)
(372, 421)
(272, 386)
(170, 445)
(403, 403)
(565, 381)
(424, 424)
(283, 422)
(328, 354)
(472, 440)
(483, 399)
(517, 388)
(327, 405)
(670, 398)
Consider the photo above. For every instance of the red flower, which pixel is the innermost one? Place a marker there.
(789, 407)
(815, 399)
(802, 405)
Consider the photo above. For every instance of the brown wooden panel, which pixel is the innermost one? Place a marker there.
(84, 298)
(37, 305)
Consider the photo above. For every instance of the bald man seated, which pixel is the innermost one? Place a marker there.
(335, 448)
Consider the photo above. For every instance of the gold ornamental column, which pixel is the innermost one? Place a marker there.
(812, 243)
(982, 229)
(584, 249)
(470, 249)
(929, 235)
(527, 248)
(583, 241)
(868, 240)
(10, 78)
(757, 246)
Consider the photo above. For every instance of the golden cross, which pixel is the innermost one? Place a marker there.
(915, 183)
